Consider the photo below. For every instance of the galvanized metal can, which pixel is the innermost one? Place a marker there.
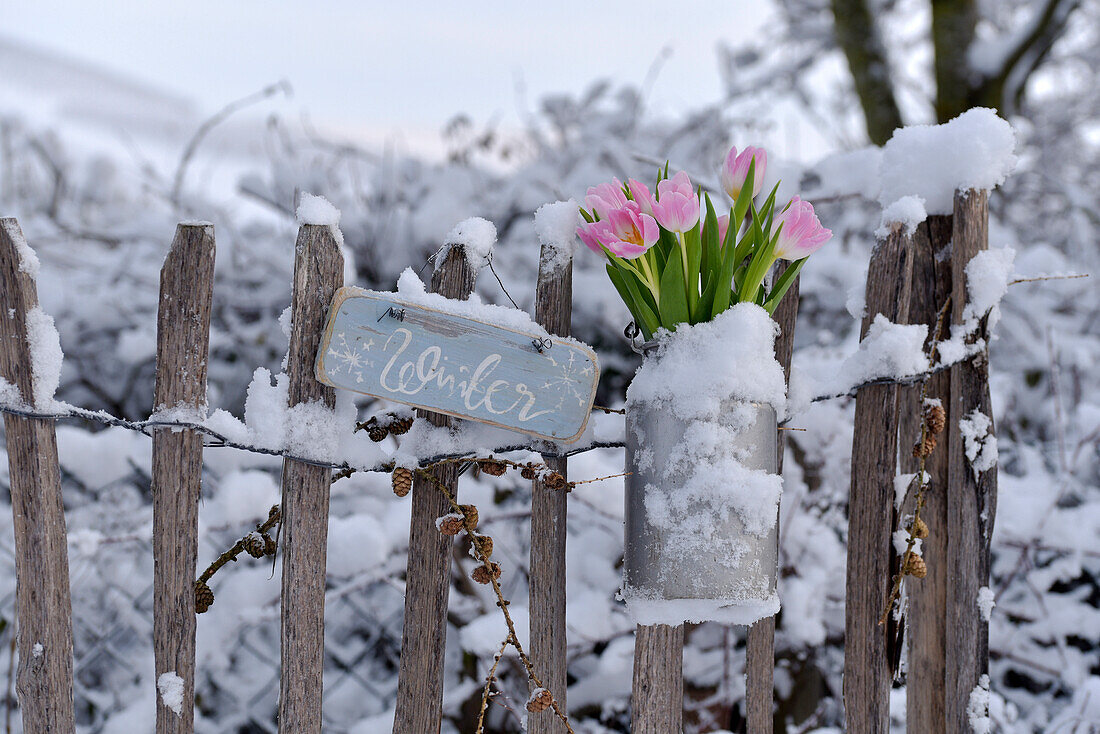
(668, 581)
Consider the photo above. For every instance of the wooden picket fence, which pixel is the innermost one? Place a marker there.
(910, 281)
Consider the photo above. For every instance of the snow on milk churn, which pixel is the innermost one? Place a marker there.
(702, 494)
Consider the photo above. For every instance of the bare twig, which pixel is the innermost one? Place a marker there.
(213, 121)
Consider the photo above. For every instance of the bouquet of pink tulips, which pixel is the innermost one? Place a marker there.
(673, 266)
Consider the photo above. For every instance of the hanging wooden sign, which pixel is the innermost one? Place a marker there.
(380, 345)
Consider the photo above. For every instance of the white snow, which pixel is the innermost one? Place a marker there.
(317, 210)
(907, 212)
(28, 260)
(37, 650)
(477, 236)
(979, 442)
(977, 709)
(888, 351)
(902, 482)
(678, 611)
(556, 227)
(986, 602)
(901, 543)
(976, 150)
(698, 369)
(170, 686)
(987, 277)
(46, 357)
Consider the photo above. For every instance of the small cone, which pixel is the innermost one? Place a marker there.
(492, 468)
(540, 700)
(400, 425)
(528, 471)
(554, 480)
(485, 545)
(935, 417)
(377, 433)
(269, 545)
(402, 481)
(273, 514)
(470, 511)
(451, 524)
(485, 574)
(254, 545)
(924, 449)
(204, 597)
(920, 529)
(916, 566)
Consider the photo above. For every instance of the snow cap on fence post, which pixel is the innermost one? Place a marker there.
(476, 236)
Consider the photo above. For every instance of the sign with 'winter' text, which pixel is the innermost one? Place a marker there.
(377, 344)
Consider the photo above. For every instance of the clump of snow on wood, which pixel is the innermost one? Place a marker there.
(477, 236)
(888, 351)
(901, 543)
(317, 210)
(170, 686)
(976, 150)
(28, 260)
(907, 212)
(37, 650)
(46, 357)
(979, 442)
(986, 602)
(9, 395)
(706, 500)
(977, 709)
(987, 277)
(556, 227)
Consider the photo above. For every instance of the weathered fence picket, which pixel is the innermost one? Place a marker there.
(428, 575)
(657, 695)
(553, 311)
(760, 650)
(972, 496)
(183, 345)
(318, 273)
(44, 680)
(926, 626)
(867, 673)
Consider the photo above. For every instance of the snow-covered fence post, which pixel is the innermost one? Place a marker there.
(428, 574)
(44, 681)
(183, 345)
(553, 311)
(760, 650)
(926, 630)
(867, 675)
(318, 273)
(972, 488)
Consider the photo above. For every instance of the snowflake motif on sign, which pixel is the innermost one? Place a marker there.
(350, 358)
(566, 382)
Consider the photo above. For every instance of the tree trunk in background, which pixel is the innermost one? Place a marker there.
(953, 23)
(858, 36)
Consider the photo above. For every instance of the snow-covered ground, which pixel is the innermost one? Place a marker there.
(88, 164)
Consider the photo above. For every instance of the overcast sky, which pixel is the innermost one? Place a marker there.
(382, 66)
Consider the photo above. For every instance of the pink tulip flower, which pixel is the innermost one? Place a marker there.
(640, 192)
(801, 234)
(605, 197)
(677, 206)
(630, 232)
(736, 170)
(589, 235)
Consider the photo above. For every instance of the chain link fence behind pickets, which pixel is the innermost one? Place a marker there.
(113, 654)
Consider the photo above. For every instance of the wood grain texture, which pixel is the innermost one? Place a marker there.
(760, 650)
(428, 573)
(183, 346)
(44, 680)
(971, 500)
(867, 677)
(927, 626)
(657, 698)
(553, 311)
(318, 273)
